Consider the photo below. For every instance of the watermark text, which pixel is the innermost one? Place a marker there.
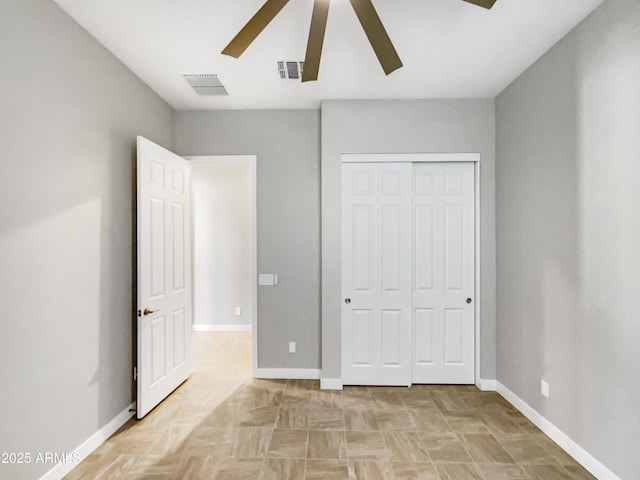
(39, 457)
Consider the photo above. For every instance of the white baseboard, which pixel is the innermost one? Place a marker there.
(221, 328)
(286, 373)
(596, 468)
(89, 445)
(331, 384)
(487, 385)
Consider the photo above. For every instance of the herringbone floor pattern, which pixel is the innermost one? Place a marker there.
(222, 425)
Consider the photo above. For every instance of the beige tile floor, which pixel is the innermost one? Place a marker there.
(223, 425)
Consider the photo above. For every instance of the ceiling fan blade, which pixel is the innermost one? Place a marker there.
(482, 3)
(316, 38)
(254, 27)
(378, 37)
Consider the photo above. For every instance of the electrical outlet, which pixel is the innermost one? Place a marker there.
(238, 311)
(292, 347)
(544, 388)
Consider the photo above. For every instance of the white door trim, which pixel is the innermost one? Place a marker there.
(442, 157)
(250, 160)
(410, 157)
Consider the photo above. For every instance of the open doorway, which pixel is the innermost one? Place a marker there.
(224, 245)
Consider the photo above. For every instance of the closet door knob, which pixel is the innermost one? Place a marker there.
(347, 301)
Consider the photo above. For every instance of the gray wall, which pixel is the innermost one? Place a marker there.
(221, 243)
(403, 126)
(287, 146)
(568, 233)
(69, 117)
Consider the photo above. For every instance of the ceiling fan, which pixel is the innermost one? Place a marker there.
(366, 13)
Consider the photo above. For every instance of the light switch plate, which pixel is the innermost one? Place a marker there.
(266, 279)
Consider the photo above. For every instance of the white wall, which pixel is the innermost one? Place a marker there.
(221, 244)
(568, 232)
(69, 116)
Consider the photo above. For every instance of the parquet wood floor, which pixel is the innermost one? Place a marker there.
(222, 425)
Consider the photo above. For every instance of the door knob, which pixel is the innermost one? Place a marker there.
(468, 300)
(347, 301)
(149, 312)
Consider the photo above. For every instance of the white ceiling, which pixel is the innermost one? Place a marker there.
(450, 48)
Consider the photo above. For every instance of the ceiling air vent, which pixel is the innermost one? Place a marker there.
(206, 84)
(290, 70)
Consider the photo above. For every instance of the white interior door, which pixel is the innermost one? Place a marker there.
(408, 273)
(164, 274)
(376, 309)
(444, 273)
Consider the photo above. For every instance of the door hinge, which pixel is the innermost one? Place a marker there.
(135, 373)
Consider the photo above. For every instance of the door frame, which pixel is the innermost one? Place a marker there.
(441, 158)
(251, 161)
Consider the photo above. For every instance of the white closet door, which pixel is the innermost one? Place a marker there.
(444, 273)
(376, 276)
